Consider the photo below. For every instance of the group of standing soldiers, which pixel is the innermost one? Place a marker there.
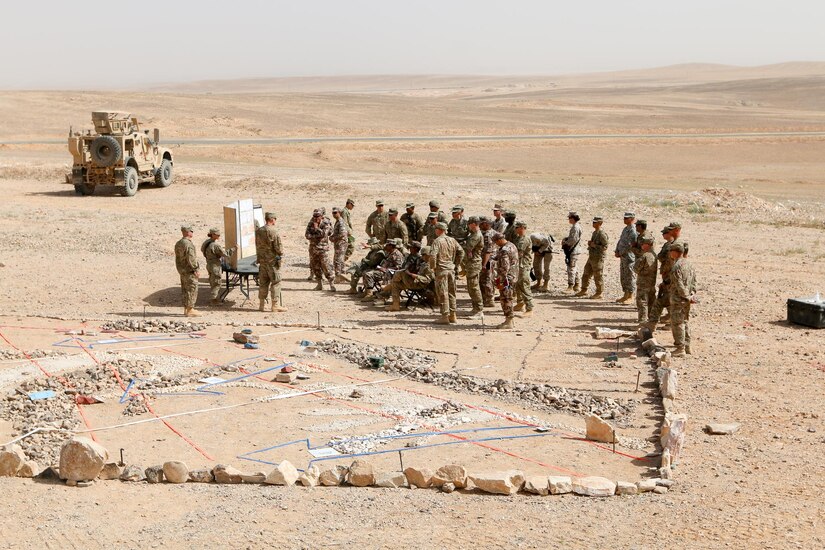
(492, 253)
(639, 268)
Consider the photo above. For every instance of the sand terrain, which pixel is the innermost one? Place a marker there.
(753, 210)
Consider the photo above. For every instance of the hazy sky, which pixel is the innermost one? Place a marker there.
(116, 43)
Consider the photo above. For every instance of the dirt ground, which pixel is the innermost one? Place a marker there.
(753, 210)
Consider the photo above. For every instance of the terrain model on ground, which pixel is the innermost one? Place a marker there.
(117, 153)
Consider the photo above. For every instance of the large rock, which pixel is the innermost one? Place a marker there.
(226, 474)
(560, 485)
(594, 486)
(257, 477)
(154, 474)
(29, 468)
(599, 430)
(361, 474)
(451, 473)
(333, 476)
(391, 480)
(499, 483)
(175, 471)
(111, 470)
(283, 474)
(11, 460)
(668, 382)
(132, 473)
(82, 459)
(310, 476)
(419, 477)
(646, 485)
(537, 485)
(201, 476)
(626, 488)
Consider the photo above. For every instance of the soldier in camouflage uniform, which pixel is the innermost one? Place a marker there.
(506, 276)
(682, 294)
(214, 252)
(446, 255)
(413, 275)
(641, 231)
(510, 231)
(414, 223)
(646, 268)
(487, 278)
(676, 231)
(663, 294)
(596, 249)
(340, 240)
(377, 223)
(435, 208)
(542, 256)
(318, 233)
(412, 263)
(382, 274)
(572, 247)
(457, 228)
(473, 256)
(346, 213)
(268, 247)
(186, 262)
(429, 227)
(372, 260)
(499, 224)
(396, 229)
(624, 251)
(524, 296)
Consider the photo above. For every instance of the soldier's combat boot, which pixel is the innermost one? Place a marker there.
(214, 302)
(508, 323)
(678, 352)
(571, 288)
(452, 318)
(597, 295)
(576, 287)
(582, 292)
(331, 286)
(443, 320)
(395, 305)
(625, 297)
(475, 314)
(311, 277)
(527, 314)
(543, 287)
(368, 295)
(191, 312)
(278, 308)
(351, 291)
(320, 285)
(687, 349)
(519, 306)
(341, 279)
(489, 303)
(263, 305)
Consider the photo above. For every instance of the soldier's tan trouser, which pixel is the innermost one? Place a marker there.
(214, 272)
(594, 270)
(189, 289)
(506, 299)
(541, 267)
(679, 321)
(474, 289)
(645, 298)
(523, 293)
(445, 291)
(662, 301)
(269, 283)
(626, 274)
(339, 258)
(573, 270)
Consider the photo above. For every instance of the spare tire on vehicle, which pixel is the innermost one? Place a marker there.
(105, 151)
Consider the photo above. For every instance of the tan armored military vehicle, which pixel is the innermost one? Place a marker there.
(117, 153)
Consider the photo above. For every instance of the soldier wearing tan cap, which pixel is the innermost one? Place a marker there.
(269, 250)
(377, 223)
(346, 213)
(186, 262)
(214, 253)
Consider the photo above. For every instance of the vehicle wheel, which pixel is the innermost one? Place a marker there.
(83, 189)
(163, 176)
(130, 179)
(105, 151)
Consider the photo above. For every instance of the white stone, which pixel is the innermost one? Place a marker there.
(668, 382)
(599, 430)
(646, 485)
(448, 487)
(537, 485)
(132, 473)
(451, 473)
(626, 488)
(175, 471)
(110, 470)
(659, 490)
(283, 474)
(257, 477)
(201, 476)
(226, 474)
(286, 377)
(81, 459)
(391, 480)
(419, 477)
(309, 477)
(717, 428)
(11, 460)
(361, 474)
(498, 483)
(333, 476)
(594, 486)
(560, 485)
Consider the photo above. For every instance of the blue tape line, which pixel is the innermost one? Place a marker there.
(126, 391)
(242, 377)
(95, 343)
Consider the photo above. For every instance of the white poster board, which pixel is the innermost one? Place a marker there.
(239, 228)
